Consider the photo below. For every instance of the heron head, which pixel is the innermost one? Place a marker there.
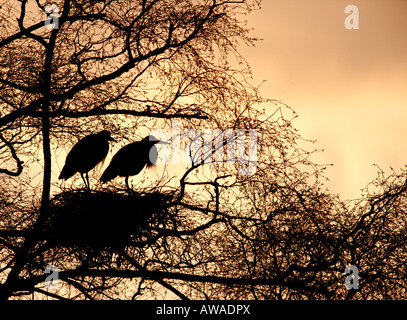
(153, 140)
(106, 135)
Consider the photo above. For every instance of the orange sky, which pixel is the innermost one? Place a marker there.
(348, 86)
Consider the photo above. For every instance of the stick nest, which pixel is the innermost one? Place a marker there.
(100, 219)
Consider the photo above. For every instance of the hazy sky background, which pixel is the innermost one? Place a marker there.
(349, 87)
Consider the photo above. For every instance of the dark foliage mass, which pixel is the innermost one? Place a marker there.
(88, 216)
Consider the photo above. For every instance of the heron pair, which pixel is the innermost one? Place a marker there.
(128, 161)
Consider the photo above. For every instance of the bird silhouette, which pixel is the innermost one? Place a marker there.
(85, 155)
(131, 159)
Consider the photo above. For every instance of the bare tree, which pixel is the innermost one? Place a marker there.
(210, 231)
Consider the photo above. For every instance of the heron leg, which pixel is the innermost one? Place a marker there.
(84, 181)
(87, 180)
(127, 185)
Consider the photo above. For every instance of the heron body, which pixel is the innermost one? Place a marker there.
(131, 159)
(86, 154)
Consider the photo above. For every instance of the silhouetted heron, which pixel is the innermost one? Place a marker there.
(85, 155)
(131, 159)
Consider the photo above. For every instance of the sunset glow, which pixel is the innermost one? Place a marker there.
(349, 87)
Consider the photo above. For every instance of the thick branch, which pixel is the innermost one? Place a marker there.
(103, 112)
(41, 24)
(26, 284)
(16, 158)
(14, 115)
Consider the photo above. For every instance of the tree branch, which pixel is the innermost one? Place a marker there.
(16, 158)
(26, 284)
(103, 112)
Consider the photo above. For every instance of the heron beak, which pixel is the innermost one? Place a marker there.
(111, 139)
(162, 142)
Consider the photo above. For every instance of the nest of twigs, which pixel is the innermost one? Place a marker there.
(100, 219)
